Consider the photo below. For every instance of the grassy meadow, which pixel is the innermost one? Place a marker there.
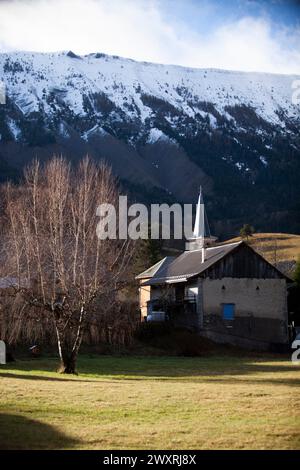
(221, 402)
(275, 247)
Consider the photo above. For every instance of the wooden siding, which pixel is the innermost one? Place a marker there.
(243, 262)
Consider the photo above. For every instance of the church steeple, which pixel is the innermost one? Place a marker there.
(201, 233)
(201, 227)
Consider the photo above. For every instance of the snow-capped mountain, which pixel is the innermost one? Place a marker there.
(164, 129)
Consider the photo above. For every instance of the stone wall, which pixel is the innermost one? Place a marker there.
(260, 310)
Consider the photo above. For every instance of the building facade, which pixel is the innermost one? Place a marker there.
(226, 292)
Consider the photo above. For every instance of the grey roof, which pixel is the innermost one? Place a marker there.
(189, 264)
(156, 268)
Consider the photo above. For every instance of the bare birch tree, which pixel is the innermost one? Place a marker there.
(53, 248)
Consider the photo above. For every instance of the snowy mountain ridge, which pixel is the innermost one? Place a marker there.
(31, 77)
(164, 129)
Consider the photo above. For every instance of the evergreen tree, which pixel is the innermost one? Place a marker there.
(246, 231)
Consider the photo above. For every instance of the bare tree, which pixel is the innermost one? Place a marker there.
(63, 270)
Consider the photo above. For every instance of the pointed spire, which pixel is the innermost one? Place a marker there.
(201, 235)
(201, 228)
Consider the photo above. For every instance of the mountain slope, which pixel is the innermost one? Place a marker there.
(280, 249)
(164, 129)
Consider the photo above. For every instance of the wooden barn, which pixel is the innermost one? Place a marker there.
(227, 292)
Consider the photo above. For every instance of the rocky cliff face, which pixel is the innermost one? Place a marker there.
(164, 129)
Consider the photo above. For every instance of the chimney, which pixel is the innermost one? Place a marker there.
(203, 254)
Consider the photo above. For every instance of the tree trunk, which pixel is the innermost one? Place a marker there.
(68, 365)
(68, 357)
(68, 350)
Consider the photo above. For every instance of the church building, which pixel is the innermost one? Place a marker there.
(227, 292)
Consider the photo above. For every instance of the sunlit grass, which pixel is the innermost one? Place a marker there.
(151, 402)
(276, 247)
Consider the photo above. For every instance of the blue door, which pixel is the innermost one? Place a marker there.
(228, 311)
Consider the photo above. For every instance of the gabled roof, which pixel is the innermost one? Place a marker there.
(156, 268)
(189, 264)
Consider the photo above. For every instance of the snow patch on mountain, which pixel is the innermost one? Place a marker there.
(15, 130)
(31, 78)
(156, 134)
(263, 160)
(94, 130)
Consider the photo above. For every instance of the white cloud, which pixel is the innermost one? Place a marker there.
(138, 29)
(248, 44)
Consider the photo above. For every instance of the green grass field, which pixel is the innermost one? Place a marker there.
(151, 403)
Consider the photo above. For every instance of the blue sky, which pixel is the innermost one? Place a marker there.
(250, 35)
(206, 15)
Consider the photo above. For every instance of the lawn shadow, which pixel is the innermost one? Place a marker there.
(109, 368)
(59, 378)
(177, 366)
(18, 432)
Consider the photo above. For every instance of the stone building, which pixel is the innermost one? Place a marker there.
(227, 292)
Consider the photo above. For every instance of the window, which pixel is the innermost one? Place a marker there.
(228, 311)
(191, 293)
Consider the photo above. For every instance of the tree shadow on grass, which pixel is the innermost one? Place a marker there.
(59, 378)
(180, 366)
(109, 368)
(18, 432)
